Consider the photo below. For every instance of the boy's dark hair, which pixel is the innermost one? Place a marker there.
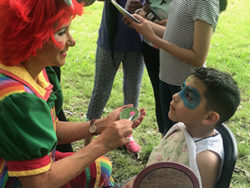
(222, 92)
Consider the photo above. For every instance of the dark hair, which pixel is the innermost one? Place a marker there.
(222, 92)
(223, 5)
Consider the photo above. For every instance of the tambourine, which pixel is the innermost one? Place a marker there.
(166, 175)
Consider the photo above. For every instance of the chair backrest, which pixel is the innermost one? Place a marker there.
(230, 157)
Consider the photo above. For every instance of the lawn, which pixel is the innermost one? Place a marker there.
(229, 52)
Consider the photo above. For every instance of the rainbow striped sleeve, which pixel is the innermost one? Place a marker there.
(3, 173)
(103, 172)
(9, 86)
(97, 174)
(25, 166)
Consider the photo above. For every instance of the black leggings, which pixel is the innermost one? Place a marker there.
(151, 59)
(166, 93)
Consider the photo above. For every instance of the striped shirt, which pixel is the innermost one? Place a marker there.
(180, 31)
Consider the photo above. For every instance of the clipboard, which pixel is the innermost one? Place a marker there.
(123, 11)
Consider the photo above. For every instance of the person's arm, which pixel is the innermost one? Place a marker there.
(162, 22)
(71, 131)
(208, 164)
(64, 170)
(198, 54)
(195, 56)
(146, 28)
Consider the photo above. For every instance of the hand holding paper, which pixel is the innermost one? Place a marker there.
(123, 11)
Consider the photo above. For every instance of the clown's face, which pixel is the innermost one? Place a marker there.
(54, 55)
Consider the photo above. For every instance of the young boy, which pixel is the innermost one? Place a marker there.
(207, 99)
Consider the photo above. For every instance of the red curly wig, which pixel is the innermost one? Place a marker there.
(26, 25)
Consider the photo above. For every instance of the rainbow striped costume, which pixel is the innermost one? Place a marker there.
(28, 122)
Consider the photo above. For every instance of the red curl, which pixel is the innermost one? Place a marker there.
(26, 25)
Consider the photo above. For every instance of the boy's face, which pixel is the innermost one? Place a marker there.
(188, 106)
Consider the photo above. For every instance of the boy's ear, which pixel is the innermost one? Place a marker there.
(211, 118)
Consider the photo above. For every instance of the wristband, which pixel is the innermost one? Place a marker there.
(92, 127)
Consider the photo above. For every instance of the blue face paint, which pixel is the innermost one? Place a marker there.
(190, 96)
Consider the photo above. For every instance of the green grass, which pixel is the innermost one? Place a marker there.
(229, 52)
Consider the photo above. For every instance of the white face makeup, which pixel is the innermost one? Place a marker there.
(65, 40)
(61, 32)
(62, 35)
(68, 3)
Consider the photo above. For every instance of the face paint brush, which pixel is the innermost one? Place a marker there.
(131, 115)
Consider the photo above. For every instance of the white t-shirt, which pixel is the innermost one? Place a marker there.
(214, 144)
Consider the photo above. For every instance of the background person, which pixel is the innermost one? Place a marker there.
(184, 43)
(116, 44)
(157, 12)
